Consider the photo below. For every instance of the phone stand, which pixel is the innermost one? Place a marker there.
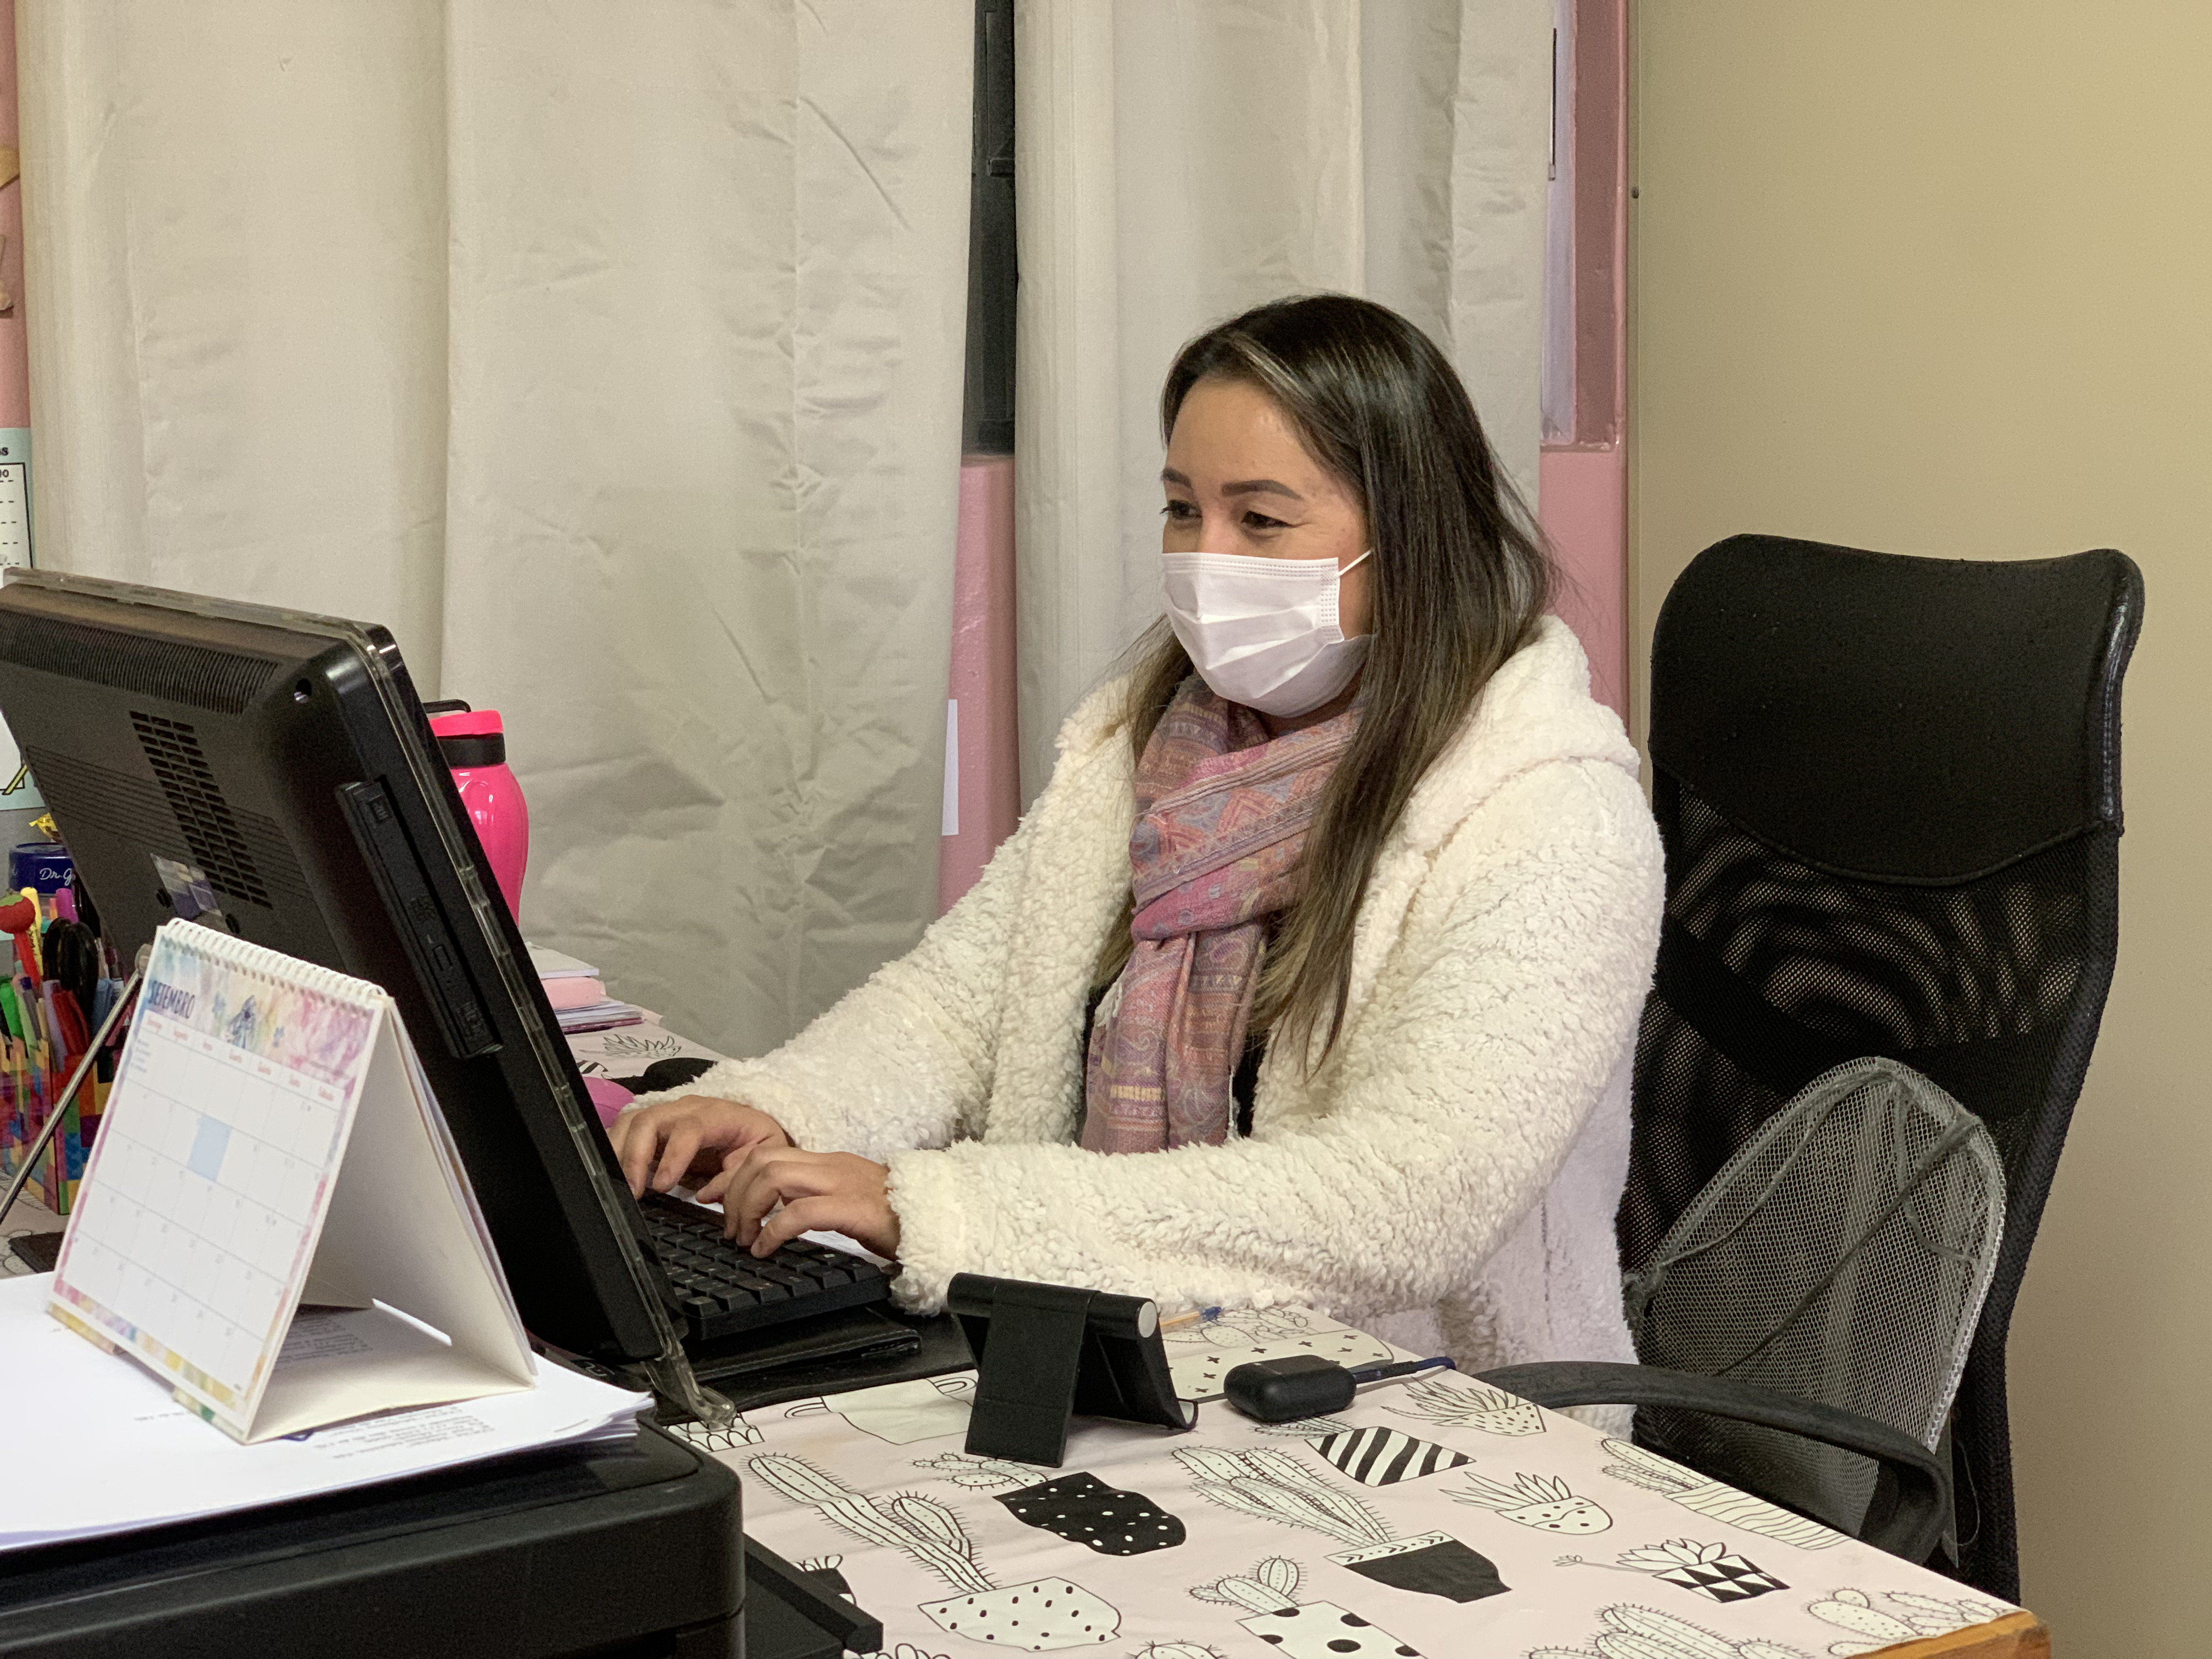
(1045, 1352)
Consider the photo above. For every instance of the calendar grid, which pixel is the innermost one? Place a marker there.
(207, 1199)
(207, 1187)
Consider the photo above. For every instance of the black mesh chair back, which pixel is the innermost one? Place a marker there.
(1889, 793)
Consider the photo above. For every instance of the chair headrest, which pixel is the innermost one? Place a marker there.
(1899, 717)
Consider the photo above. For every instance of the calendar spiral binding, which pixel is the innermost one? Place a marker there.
(269, 966)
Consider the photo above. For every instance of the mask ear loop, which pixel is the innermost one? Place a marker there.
(1336, 595)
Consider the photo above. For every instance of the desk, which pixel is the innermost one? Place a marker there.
(1507, 1533)
(855, 1457)
(847, 1462)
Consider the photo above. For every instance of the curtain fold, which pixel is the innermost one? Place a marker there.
(613, 359)
(1176, 163)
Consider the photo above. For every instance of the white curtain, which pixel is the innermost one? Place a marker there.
(611, 354)
(1178, 161)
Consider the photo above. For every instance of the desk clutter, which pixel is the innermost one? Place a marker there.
(60, 982)
(1437, 1516)
(1046, 1353)
(641, 1056)
(121, 1453)
(275, 1236)
(271, 1139)
(578, 995)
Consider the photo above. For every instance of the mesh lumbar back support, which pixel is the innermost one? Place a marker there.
(1840, 1256)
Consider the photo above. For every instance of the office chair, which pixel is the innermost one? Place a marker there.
(1888, 790)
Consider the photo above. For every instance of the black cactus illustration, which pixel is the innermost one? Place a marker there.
(1078, 1506)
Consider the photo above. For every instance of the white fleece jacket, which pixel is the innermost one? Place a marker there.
(1463, 1147)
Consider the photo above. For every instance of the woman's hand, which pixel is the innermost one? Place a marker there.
(833, 1192)
(691, 1139)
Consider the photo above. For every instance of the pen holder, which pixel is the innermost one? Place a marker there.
(44, 864)
(52, 997)
(24, 1110)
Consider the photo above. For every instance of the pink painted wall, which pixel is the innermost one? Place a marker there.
(982, 679)
(1582, 487)
(14, 351)
(1582, 501)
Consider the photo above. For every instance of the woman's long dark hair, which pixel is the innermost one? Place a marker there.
(1460, 581)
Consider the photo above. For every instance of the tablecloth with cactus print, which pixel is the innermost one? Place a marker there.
(1434, 1516)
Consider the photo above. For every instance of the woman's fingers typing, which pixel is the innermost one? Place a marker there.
(676, 1154)
(636, 1139)
(743, 1159)
(711, 1190)
(690, 1138)
(837, 1191)
(809, 1215)
(764, 1177)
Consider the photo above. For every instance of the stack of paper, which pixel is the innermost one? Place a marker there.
(574, 991)
(114, 1452)
(578, 995)
(598, 1017)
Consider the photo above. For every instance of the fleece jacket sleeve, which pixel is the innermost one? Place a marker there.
(903, 1059)
(1491, 1031)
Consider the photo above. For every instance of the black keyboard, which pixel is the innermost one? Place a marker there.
(720, 1289)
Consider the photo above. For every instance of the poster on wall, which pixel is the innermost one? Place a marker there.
(14, 496)
(19, 790)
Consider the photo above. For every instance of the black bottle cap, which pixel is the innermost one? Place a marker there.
(489, 749)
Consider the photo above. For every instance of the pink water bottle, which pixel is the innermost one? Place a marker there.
(474, 744)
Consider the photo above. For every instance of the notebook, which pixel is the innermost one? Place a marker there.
(270, 1139)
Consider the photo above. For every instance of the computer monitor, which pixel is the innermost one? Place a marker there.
(272, 772)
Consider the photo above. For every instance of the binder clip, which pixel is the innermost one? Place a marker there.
(1045, 1352)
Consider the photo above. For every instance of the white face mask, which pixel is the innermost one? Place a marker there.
(1262, 632)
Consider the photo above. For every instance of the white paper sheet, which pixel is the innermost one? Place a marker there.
(101, 1446)
(559, 964)
(627, 1050)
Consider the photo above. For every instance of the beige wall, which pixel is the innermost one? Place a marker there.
(1938, 279)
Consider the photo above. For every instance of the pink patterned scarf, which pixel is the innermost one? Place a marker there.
(1222, 815)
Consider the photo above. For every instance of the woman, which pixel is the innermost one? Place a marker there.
(1341, 907)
